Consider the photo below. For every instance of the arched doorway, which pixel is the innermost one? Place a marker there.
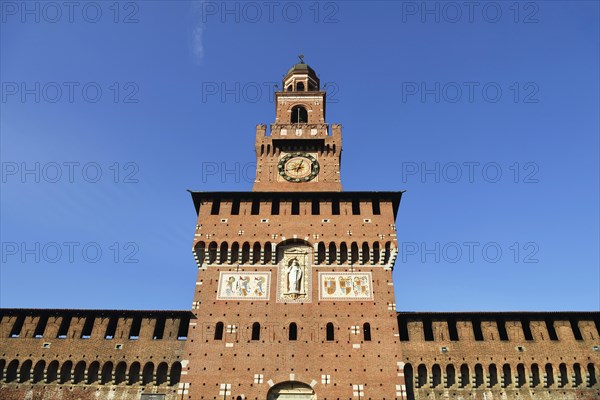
(291, 391)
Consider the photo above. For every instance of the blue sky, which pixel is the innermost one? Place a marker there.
(487, 117)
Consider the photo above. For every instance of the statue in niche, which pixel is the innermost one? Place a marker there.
(294, 273)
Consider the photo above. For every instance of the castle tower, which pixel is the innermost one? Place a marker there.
(294, 296)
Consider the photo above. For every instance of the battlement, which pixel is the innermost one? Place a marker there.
(127, 351)
(547, 355)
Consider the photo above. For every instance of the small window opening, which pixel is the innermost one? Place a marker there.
(335, 207)
(551, 331)
(275, 207)
(316, 207)
(428, 330)
(16, 329)
(41, 327)
(330, 332)
(111, 328)
(255, 207)
(576, 330)
(219, 331)
(502, 329)
(367, 331)
(88, 326)
(295, 207)
(184, 326)
(215, 208)
(376, 207)
(355, 207)
(134, 331)
(477, 330)
(159, 328)
(452, 329)
(403, 328)
(235, 207)
(293, 332)
(256, 331)
(526, 329)
(64, 328)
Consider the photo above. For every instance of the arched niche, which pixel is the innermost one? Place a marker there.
(291, 391)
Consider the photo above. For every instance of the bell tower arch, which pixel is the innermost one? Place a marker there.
(303, 151)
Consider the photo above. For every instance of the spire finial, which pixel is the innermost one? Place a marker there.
(301, 57)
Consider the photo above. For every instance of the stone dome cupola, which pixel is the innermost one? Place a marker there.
(301, 78)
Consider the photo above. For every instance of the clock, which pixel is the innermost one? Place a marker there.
(298, 167)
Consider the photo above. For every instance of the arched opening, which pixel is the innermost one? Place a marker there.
(564, 377)
(388, 252)
(549, 376)
(79, 372)
(268, 252)
(11, 371)
(436, 376)
(464, 376)
(520, 375)
(65, 372)
(148, 374)
(175, 373)
(223, 253)
(409, 381)
(367, 332)
(299, 115)
(300, 87)
(212, 252)
(199, 250)
(25, 373)
(256, 331)
(321, 253)
(577, 380)
(493, 375)
(291, 391)
(293, 331)
(535, 375)
(375, 252)
(478, 375)
(38, 371)
(161, 373)
(450, 376)
(256, 253)
(332, 253)
(506, 376)
(134, 373)
(235, 252)
(592, 375)
(2, 364)
(52, 372)
(93, 372)
(245, 253)
(329, 332)
(107, 370)
(365, 253)
(353, 253)
(121, 373)
(343, 253)
(219, 331)
(421, 376)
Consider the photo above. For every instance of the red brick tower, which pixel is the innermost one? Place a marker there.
(294, 296)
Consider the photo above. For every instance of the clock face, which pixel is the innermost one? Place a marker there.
(298, 167)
